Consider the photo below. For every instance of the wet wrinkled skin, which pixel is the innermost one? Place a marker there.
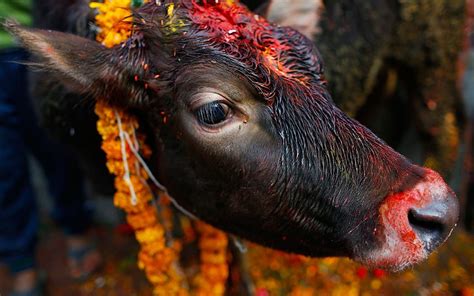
(393, 65)
(247, 176)
(285, 167)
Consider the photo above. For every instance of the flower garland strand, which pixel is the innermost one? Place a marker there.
(134, 196)
(156, 257)
(159, 259)
(214, 261)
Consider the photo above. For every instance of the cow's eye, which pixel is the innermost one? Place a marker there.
(212, 113)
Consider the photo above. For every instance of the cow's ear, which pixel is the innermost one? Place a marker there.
(302, 15)
(86, 66)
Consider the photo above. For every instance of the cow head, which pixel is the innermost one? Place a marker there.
(249, 138)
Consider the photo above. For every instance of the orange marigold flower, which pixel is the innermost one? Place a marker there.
(215, 273)
(213, 243)
(139, 185)
(124, 201)
(146, 218)
(214, 257)
(159, 262)
(113, 149)
(117, 168)
(155, 247)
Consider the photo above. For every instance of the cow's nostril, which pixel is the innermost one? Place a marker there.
(433, 223)
(428, 228)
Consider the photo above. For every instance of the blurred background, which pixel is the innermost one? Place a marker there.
(403, 68)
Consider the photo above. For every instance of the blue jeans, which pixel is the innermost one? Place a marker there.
(20, 135)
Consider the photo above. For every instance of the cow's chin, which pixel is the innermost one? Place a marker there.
(399, 247)
(412, 224)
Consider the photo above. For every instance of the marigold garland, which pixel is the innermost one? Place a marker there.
(111, 21)
(121, 142)
(273, 273)
(214, 261)
(134, 196)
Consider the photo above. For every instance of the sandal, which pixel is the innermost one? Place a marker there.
(83, 262)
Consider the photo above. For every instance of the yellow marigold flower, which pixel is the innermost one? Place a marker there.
(107, 131)
(149, 235)
(158, 278)
(154, 248)
(113, 20)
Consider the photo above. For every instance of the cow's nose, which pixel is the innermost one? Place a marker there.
(434, 222)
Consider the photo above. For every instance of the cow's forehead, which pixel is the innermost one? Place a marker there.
(230, 22)
(245, 35)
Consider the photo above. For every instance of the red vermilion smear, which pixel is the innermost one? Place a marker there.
(400, 244)
(395, 210)
(228, 22)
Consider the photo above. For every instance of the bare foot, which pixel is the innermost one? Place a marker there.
(25, 281)
(84, 258)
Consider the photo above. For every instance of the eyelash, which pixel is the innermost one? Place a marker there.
(212, 113)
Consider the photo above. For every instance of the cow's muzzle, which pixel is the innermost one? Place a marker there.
(413, 223)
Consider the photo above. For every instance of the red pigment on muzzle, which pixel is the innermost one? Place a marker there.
(394, 221)
(400, 246)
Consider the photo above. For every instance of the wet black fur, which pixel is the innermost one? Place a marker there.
(327, 170)
(315, 192)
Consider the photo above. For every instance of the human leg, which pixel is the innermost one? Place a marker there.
(18, 212)
(66, 186)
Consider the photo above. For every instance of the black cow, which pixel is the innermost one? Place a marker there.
(254, 144)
